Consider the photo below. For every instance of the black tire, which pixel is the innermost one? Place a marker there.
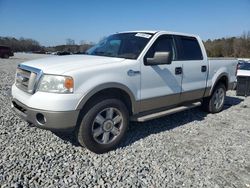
(89, 125)
(210, 103)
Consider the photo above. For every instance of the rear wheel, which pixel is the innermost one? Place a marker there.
(103, 126)
(215, 102)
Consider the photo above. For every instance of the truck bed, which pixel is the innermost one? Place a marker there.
(222, 65)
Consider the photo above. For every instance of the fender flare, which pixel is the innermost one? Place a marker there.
(216, 81)
(110, 85)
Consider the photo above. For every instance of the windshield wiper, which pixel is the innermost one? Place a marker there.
(103, 53)
(99, 53)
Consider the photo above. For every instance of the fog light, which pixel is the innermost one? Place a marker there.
(40, 118)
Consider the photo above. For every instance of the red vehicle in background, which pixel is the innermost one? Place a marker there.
(5, 52)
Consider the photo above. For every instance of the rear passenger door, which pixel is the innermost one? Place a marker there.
(194, 67)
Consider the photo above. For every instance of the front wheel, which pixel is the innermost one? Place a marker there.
(215, 102)
(103, 126)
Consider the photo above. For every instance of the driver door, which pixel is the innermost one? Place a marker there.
(160, 84)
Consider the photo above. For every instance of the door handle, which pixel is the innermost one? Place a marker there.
(178, 70)
(132, 72)
(204, 68)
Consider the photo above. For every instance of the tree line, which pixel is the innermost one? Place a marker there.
(31, 45)
(21, 45)
(224, 47)
(73, 48)
(229, 47)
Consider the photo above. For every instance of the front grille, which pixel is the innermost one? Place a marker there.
(27, 78)
(20, 108)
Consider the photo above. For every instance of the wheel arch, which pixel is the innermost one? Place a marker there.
(115, 90)
(222, 78)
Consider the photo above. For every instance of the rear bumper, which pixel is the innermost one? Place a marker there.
(53, 120)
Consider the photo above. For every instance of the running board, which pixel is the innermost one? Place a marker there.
(165, 112)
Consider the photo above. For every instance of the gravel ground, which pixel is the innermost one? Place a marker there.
(188, 149)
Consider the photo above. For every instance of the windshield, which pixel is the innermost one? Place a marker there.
(244, 66)
(122, 45)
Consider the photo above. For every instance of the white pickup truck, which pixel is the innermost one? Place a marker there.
(137, 75)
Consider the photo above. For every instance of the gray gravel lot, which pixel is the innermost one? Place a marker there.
(187, 149)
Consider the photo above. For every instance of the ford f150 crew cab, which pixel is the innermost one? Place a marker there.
(137, 75)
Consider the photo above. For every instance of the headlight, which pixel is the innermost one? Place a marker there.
(56, 84)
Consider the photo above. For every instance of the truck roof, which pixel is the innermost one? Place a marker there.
(159, 31)
(140, 31)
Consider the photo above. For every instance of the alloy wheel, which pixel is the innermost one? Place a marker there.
(219, 97)
(107, 125)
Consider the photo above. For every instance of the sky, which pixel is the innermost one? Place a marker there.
(51, 22)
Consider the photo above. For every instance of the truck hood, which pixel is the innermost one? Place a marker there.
(63, 64)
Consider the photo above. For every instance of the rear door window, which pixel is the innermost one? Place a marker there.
(189, 49)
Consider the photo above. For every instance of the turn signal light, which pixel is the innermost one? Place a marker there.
(69, 83)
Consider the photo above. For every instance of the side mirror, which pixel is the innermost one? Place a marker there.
(160, 58)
